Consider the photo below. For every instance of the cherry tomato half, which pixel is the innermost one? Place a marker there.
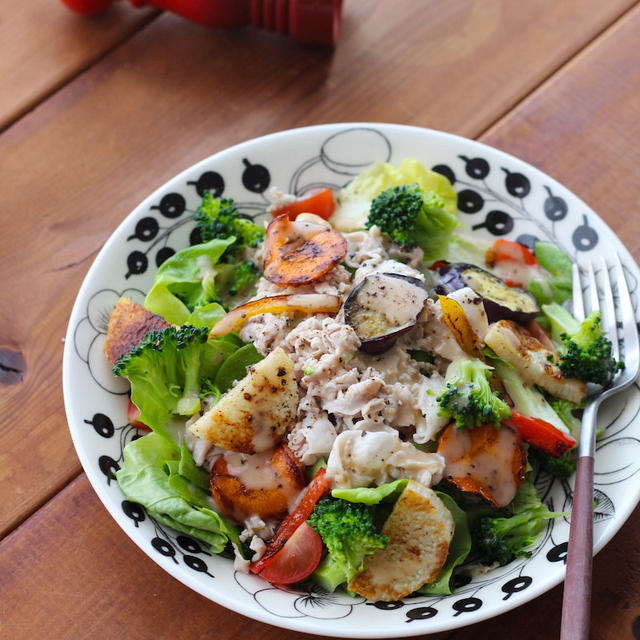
(320, 203)
(510, 251)
(133, 416)
(297, 559)
(318, 486)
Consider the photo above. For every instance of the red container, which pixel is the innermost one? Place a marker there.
(314, 21)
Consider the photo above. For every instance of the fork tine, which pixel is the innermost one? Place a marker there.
(594, 302)
(578, 303)
(609, 311)
(629, 326)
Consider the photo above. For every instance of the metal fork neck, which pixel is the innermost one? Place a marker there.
(587, 444)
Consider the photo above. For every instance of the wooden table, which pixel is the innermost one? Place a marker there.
(96, 113)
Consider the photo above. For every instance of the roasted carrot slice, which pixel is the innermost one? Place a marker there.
(484, 460)
(299, 255)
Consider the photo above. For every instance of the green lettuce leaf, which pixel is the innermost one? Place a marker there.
(557, 263)
(186, 281)
(235, 366)
(150, 476)
(206, 316)
(155, 411)
(465, 249)
(354, 200)
(458, 549)
(187, 469)
(388, 492)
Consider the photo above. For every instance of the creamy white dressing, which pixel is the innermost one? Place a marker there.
(263, 437)
(473, 308)
(493, 468)
(384, 303)
(205, 266)
(364, 458)
(253, 471)
(516, 272)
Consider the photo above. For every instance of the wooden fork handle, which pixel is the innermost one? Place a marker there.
(576, 603)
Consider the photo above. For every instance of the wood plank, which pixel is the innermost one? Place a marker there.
(76, 564)
(72, 169)
(70, 572)
(43, 45)
(582, 128)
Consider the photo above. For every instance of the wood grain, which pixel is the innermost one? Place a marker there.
(43, 45)
(583, 128)
(175, 93)
(96, 589)
(70, 572)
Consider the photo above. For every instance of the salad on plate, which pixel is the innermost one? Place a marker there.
(355, 395)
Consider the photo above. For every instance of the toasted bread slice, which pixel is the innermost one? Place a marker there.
(255, 414)
(129, 322)
(420, 529)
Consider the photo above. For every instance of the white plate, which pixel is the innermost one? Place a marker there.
(499, 195)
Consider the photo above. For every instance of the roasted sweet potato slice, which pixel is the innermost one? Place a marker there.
(484, 460)
(128, 324)
(262, 484)
(299, 254)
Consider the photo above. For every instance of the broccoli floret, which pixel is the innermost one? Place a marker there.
(468, 397)
(168, 363)
(244, 277)
(411, 217)
(234, 283)
(587, 353)
(527, 399)
(562, 467)
(502, 539)
(349, 532)
(565, 410)
(220, 218)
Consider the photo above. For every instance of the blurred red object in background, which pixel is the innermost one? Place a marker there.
(313, 21)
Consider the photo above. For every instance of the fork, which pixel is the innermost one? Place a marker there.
(576, 602)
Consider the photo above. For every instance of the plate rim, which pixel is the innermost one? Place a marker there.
(305, 624)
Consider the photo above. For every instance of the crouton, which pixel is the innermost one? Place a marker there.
(255, 414)
(129, 322)
(420, 529)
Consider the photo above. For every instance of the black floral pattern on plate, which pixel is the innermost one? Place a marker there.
(499, 199)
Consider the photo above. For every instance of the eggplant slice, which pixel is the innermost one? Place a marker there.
(501, 302)
(382, 307)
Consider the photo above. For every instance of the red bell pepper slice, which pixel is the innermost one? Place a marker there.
(320, 203)
(541, 434)
(313, 492)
